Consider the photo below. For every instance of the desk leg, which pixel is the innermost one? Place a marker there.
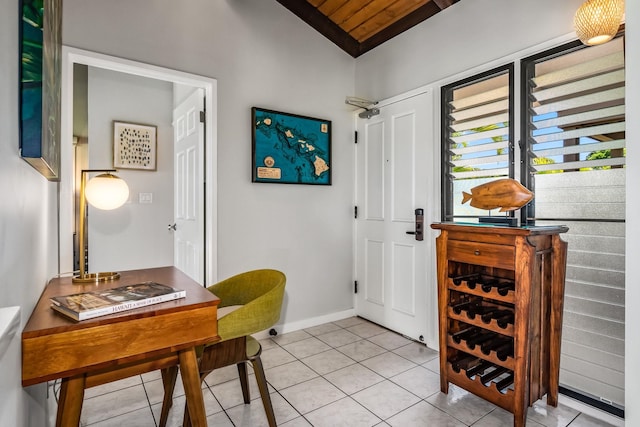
(70, 402)
(191, 381)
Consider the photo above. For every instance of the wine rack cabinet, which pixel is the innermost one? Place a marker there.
(500, 302)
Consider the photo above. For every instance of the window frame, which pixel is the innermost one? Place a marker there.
(446, 194)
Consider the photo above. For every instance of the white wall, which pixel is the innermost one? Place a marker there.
(261, 55)
(472, 33)
(28, 227)
(134, 235)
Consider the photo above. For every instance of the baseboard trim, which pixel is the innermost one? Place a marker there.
(590, 410)
(287, 327)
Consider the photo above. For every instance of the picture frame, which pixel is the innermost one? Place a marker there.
(289, 148)
(40, 71)
(134, 146)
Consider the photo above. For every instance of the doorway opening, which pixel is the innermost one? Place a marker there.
(70, 58)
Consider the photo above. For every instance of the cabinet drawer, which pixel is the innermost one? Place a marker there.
(486, 254)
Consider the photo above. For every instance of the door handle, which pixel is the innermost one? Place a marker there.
(171, 227)
(419, 232)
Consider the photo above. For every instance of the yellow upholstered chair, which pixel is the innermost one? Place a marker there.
(249, 303)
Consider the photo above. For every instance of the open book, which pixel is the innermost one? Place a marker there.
(87, 305)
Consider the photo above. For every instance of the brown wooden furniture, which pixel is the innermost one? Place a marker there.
(96, 351)
(250, 302)
(500, 302)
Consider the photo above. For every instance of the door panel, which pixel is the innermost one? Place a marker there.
(392, 181)
(374, 272)
(404, 283)
(403, 179)
(374, 172)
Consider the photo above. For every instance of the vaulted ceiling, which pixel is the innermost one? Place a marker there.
(357, 26)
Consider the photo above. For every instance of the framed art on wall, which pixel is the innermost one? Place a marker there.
(134, 146)
(289, 148)
(40, 77)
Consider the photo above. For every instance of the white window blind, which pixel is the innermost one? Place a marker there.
(477, 136)
(577, 110)
(575, 164)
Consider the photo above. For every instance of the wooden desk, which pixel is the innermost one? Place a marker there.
(96, 351)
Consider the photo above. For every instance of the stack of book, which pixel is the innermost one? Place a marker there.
(87, 305)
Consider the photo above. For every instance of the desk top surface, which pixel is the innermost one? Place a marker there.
(44, 320)
(54, 346)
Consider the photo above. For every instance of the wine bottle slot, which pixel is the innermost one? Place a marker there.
(488, 312)
(504, 383)
(465, 305)
(471, 282)
(457, 280)
(501, 286)
(464, 334)
(505, 320)
(479, 368)
(493, 374)
(479, 339)
(463, 362)
(504, 288)
(504, 352)
(487, 285)
(499, 342)
(495, 314)
(478, 309)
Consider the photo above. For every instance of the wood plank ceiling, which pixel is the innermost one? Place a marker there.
(357, 26)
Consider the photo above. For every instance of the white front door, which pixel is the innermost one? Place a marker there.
(394, 172)
(189, 186)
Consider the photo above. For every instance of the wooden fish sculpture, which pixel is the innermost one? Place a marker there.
(506, 194)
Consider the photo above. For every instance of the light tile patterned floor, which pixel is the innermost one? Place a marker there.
(346, 373)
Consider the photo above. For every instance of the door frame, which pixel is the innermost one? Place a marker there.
(71, 56)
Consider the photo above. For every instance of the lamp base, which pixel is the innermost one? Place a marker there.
(96, 277)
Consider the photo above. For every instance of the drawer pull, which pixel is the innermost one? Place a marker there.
(476, 252)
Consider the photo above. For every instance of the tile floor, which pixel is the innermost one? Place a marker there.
(345, 373)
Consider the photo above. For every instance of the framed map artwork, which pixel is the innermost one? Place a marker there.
(290, 149)
(134, 146)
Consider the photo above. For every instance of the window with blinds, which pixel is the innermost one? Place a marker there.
(572, 156)
(477, 137)
(574, 161)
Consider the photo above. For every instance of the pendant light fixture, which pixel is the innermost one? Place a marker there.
(597, 21)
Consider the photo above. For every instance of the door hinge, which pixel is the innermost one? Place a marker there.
(355, 212)
(355, 286)
(355, 140)
(202, 117)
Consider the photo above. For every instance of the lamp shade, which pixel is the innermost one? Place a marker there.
(106, 191)
(597, 21)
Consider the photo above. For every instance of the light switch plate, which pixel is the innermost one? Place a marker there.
(145, 197)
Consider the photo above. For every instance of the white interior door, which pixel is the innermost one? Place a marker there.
(189, 186)
(394, 173)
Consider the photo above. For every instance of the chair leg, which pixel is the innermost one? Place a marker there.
(169, 376)
(186, 421)
(244, 381)
(264, 389)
